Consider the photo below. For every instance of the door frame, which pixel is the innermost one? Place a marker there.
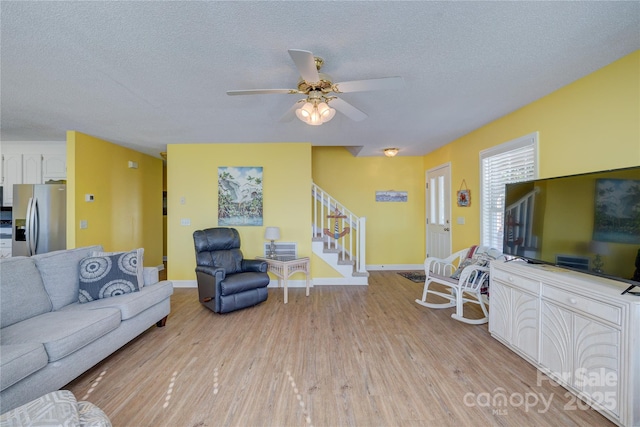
(447, 174)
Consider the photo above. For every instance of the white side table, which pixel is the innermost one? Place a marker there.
(284, 266)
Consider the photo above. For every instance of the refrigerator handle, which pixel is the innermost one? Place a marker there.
(35, 229)
(27, 225)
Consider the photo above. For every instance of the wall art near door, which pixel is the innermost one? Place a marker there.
(240, 196)
(391, 196)
(617, 211)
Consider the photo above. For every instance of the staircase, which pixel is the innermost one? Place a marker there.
(338, 237)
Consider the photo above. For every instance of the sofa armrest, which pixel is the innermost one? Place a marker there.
(151, 275)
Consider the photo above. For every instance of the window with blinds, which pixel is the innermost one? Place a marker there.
(513, 161)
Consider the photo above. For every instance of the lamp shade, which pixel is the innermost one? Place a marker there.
(272, 233)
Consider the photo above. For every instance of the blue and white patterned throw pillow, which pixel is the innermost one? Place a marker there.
(107, 276)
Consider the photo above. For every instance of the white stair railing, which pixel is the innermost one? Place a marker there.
(339, 228)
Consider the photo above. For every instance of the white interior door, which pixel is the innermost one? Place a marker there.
(438, 209)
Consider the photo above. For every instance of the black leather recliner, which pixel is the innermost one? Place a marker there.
(226, 281)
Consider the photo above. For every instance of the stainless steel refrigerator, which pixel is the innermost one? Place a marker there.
(39, 218)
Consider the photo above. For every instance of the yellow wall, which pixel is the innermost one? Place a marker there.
(395, 230)
(192, 174)
(127, 209)
(592, 124)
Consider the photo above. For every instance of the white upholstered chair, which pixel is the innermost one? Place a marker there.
(465, 276)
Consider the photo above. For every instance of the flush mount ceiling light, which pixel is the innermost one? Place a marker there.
(390, 152)
(315, 110)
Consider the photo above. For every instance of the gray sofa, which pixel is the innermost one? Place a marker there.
(47, 338)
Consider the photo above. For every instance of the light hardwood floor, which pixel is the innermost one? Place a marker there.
(344, 356)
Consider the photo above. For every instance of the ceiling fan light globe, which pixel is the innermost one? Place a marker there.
(316, 118)
(302, 115)
(328, 115)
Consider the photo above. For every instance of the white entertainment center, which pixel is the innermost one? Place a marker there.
(576, 328)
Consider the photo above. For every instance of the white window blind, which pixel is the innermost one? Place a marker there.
(513, 161)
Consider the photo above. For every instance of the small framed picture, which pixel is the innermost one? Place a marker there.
(464, 198)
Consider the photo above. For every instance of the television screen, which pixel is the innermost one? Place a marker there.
(588, 222)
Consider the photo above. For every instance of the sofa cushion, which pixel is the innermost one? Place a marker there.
(130, 305)
(59, 270)
(107, 276)
(63, 332)
(18, 361)
(134, 258)
(22, 292)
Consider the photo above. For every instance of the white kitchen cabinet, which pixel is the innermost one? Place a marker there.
(585, 329)
(54, 167)
(31, 163)
(11, 174)
(5, 248)
(31, 169)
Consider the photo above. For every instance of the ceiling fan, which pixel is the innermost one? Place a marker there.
(319, 105)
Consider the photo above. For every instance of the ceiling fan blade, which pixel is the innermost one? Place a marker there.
(384, 83)
(260, 91)
(306, 65)
(347, 109)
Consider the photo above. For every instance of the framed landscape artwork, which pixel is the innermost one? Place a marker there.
(240, 196)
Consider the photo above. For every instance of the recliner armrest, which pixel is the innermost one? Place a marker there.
(211, 271)
(254, 265)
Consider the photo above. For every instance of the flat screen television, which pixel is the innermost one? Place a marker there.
(588, 222)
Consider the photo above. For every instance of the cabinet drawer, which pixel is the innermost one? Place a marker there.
(590, 306)
(516, 280)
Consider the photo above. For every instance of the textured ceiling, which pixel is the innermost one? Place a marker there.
(147, 74)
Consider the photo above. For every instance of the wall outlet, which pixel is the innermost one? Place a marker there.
(83, 224)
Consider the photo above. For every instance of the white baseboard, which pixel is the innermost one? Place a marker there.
(184, 283)
(291, 283)
(341, 281)
(396, 267)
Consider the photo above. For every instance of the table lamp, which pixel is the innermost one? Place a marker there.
(272, 233)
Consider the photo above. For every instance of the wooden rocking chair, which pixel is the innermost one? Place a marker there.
(465, 274)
